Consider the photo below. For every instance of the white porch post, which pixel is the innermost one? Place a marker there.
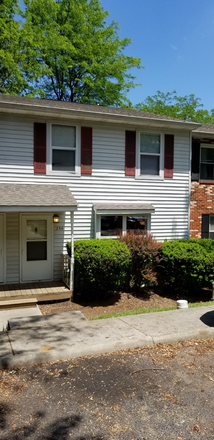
(72, 255)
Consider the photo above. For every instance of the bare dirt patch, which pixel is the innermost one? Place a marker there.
(119, 302)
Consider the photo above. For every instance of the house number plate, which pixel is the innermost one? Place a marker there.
(59, 228)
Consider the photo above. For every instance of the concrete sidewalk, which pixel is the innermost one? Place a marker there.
(36, 339)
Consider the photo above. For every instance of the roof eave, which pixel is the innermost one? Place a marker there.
(20, 208)
(39, 110)
(199, 134)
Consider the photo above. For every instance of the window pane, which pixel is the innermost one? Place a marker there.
(136, 222)
(63, 136)
(149, 165)
(150, 143)
(36, 250)
(212, 235)
(207, 155)
(207, 171)
(63, 160)
(111, 225)
(211, 222)
(36, 229)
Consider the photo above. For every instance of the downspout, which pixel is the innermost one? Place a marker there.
(72, 256)
(189, 198)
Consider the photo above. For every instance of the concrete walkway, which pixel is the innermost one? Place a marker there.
(36, 339)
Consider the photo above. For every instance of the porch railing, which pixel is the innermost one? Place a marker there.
(66, 277)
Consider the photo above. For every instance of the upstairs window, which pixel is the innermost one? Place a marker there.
(63, 148)
(150, 150)
(207, 162)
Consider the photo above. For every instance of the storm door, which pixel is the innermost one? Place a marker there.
(36, 249)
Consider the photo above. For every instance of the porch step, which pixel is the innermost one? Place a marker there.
(18, 303)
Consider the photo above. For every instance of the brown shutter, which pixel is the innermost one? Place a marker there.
(195, 160)
(169, 155)
(205, 226)
(86, 150)
(39, 148)
(130, 153)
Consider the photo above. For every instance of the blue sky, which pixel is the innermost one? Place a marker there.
(174, 39)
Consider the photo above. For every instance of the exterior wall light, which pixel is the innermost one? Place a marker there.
(55, 218)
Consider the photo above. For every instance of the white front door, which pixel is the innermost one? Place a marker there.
(1, 248)
(36, 248)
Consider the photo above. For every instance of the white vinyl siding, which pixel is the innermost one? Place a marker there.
(108, 183)
(61, 235)
(12, 248)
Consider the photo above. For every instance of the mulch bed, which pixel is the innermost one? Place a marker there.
(120, 301)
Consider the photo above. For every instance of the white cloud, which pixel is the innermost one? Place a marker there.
(173, 47)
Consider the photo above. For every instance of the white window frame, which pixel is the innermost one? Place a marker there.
(211, 231)
(159, 176)
(119, 214)
(211, 146)
(50, 148)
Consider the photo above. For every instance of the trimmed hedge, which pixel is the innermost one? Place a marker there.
(187, 265)
(100, 266)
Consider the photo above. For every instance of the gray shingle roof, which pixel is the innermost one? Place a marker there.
(88, 108)
(205, 128)
(124, 207)
(38, 196)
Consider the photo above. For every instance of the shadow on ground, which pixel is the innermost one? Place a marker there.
(61, 428)
(208, 319)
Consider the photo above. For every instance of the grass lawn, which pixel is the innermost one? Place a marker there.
(152, 310)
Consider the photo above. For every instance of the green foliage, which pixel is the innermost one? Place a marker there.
(187, 108)
(11, 77)
(73, 55)
(100, 266)
(144, 250)
(207, 243)
(18, 68)
(187, 265)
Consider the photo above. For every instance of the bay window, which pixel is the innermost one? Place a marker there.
(113, 220)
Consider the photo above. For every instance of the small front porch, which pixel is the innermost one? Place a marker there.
(42, 291)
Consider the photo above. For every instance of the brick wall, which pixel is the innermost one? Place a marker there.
(201, 202)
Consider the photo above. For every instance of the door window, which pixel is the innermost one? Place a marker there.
(36, 240)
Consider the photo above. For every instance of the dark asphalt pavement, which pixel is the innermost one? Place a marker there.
(165, 392)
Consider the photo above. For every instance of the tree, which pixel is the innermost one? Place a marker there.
(78, 57)
(17, 66)
(187, 108)
(10, 73)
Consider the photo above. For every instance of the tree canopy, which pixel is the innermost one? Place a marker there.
(187, 108)
(64, 50)
(11, 58)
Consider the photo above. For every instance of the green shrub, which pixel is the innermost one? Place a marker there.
(100, 266)
(187, 265)
(207, 243)
(144, 250)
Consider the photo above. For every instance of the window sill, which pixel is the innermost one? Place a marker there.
(63, 173)
(149, 177)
